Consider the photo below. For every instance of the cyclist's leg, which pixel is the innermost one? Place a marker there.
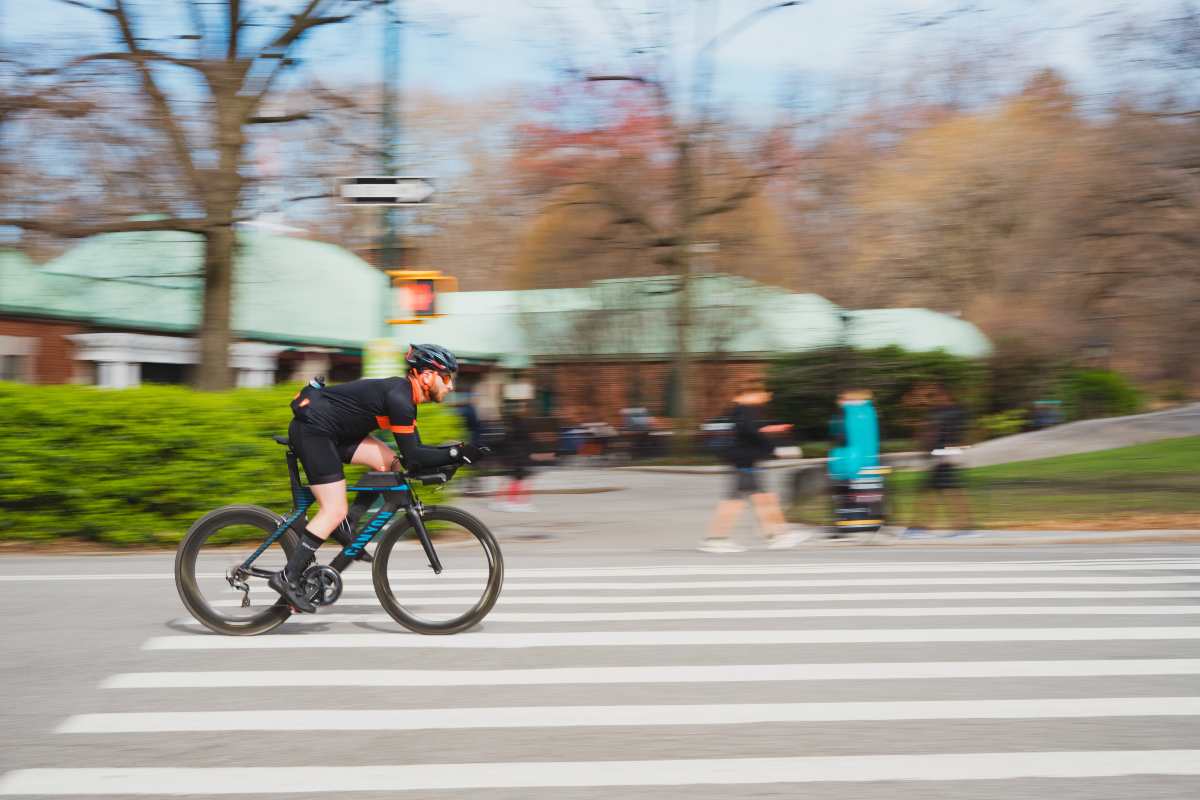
(322, 461)
(373, 453)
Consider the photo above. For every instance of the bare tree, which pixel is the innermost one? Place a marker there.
(236, 76)
(665, 228)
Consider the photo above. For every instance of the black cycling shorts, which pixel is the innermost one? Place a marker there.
(320, 454)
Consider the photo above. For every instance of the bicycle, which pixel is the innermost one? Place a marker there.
(466, 560)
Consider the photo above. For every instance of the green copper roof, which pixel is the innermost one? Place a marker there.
(636, 318)
(285, 289)
(291, 290)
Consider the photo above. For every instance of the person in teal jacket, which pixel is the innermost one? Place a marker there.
(856, 430)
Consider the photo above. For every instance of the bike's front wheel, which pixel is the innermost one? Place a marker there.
(208, 575)
(459, 597)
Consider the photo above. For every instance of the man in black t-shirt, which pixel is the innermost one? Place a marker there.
(749, 446)
(332, 426)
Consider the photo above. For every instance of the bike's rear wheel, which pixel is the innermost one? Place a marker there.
(217, 544)
(464, 592)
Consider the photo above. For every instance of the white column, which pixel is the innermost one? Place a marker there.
(118, 374)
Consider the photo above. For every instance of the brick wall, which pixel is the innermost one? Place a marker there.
(53, 360)
(598, 391)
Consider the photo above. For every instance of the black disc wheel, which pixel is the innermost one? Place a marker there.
(464, 592)
(209, 575)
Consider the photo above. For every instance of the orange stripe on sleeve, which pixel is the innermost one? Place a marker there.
(403, 428)
(384, 423)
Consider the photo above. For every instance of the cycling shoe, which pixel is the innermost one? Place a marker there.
(291, 591)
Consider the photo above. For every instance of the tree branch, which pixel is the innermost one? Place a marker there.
(744, 192)
(88, 6)
(279, 46)
(167, 121)
(139, 57)
(63, 107)
(235, 28)
(659, 90)
(623, 213)
(74, 231)
(271, 120)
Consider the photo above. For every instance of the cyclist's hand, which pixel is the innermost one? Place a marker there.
(470, 453)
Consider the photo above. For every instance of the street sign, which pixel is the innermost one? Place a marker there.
(378, 190)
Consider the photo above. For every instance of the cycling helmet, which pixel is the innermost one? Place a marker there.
(431, 356)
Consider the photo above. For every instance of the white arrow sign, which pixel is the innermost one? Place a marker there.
(377, 190)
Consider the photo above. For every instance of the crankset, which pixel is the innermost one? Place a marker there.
(322, 584)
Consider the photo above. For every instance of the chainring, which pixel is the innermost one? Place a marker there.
(322, 584)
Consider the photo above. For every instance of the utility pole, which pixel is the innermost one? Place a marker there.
(389, 144)
(390, 131)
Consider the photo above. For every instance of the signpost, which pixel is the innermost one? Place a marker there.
(380, 190)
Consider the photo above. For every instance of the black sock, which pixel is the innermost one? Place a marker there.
(303, 555)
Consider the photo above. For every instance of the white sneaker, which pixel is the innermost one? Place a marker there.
(788, 539)
(720, 544)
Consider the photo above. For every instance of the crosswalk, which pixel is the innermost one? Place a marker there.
(712, 676)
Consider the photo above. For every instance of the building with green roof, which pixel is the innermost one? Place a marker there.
(122, 308)
(136, 301)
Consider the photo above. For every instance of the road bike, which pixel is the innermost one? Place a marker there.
(435, 570)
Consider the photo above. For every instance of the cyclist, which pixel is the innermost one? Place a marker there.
(331, 426)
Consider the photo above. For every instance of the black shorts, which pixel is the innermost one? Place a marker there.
(320, 454)
(745, 481)
(944, 475)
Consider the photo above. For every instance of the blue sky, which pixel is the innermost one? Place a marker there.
(470, 47)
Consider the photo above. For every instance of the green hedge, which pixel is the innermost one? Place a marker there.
(138, 466)
(805, 385)
(1099, 393)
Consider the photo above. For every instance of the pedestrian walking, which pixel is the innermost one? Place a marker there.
(748, 446)
(943, 436)
(516, 453)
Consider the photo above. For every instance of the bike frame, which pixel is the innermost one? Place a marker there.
(395, 498)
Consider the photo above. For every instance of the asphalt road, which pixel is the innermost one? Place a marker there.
(905, 672)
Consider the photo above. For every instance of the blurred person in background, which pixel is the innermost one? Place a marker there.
(516, 450)
(748, 445)
(465, 405)
(854, 471)
(943, 435)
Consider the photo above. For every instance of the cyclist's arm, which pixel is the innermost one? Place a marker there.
(417, 457)
(402, 419)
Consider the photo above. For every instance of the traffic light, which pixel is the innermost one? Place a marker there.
(416, 293)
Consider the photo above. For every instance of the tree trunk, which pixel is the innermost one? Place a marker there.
(214, 373)
(223, 196)
(684, 204)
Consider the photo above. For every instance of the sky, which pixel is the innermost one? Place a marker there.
(472, 47)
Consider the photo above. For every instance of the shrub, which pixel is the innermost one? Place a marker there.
(140, 465)
(1099, 393)
(1004, 423)
(805, 385)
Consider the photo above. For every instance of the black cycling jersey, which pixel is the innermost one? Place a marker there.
(349, 412)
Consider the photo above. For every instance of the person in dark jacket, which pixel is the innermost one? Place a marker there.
(943, 437)
(516, 452)
(749, 445)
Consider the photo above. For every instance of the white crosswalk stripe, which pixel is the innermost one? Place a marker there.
(673, 646)
(535, 774)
